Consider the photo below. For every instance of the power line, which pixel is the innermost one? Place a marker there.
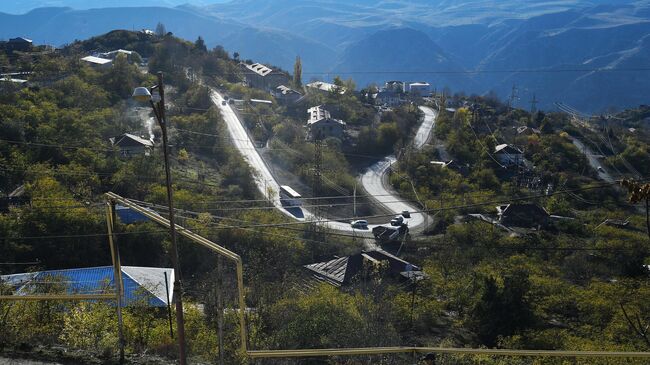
(427, 211)
(78, 235)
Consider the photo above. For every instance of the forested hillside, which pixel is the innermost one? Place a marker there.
(565, 269)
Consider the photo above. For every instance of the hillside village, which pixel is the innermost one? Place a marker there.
(362, 215)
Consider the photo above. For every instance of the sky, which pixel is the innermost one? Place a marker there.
(23, 6)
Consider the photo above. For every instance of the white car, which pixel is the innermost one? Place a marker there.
(361, 224)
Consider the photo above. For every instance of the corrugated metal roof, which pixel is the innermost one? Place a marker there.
(140, 283)
(96, 60)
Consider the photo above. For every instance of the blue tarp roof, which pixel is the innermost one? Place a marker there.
(128, 216)
(140, 283)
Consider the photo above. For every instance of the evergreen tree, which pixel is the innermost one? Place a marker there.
(161, 30)
(199, 45)
(297, 73)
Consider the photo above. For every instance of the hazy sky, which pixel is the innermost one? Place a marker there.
(23, 6)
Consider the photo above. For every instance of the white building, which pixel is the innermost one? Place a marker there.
(261, 76)
(98, 62)
(419, 88)
(324, 87)
(286, 94)
(321, 124)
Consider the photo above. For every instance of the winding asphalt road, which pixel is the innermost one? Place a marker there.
(372, 180)
(593, 160)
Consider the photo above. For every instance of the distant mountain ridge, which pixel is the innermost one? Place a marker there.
(468, 45)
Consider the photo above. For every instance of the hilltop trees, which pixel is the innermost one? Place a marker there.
(161, 30)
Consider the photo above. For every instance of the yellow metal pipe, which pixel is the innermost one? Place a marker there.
(442, 350)
(58, 297)
(203, 242)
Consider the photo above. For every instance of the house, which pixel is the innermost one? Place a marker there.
(10, 82)
(286, 95)
(324, 88)
(131, 145)
(131, 56)
(524, 215)
(263, 77)
(15, 198)
(141, 284)
(508, 155)
(389, 98)
(527, 131)
(321, 124)
(395, 86)
(451, 164)
(98, 62)
(419, 88)
(19, 44)
(343, 271)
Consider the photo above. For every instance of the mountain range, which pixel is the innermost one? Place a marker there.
(591, 54)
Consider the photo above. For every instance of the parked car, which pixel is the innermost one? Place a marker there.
(600, 169)
(361, 224)
(406, 214)
(397, 221)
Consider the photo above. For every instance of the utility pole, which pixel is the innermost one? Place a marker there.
(180, 322)
(317, 182)
(354, 201)
(513, 96)
(143, 94)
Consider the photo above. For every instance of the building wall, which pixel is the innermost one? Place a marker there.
(326, 129)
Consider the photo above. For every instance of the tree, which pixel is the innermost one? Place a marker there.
(503, 311)
(235, 56)
(297, 73)
(161, 30)
(640, 193)
(199, 45)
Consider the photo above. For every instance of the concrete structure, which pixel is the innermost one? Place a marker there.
(98, 62)
(286, 95)
(132, 145)
(260, 76)
(324, 88)
(508, 155)
(419, 88)
(320, 123)
(141, 284)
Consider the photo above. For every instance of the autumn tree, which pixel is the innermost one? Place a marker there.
(640, 193)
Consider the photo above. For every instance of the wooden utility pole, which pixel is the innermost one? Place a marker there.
(159, 112)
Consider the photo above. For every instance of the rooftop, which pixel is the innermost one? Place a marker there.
(506, 148)
(259, 69)
(96, 60)
(140, 283)
(285, 90)
(139, 140)
(325, 86)
(342, 270)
